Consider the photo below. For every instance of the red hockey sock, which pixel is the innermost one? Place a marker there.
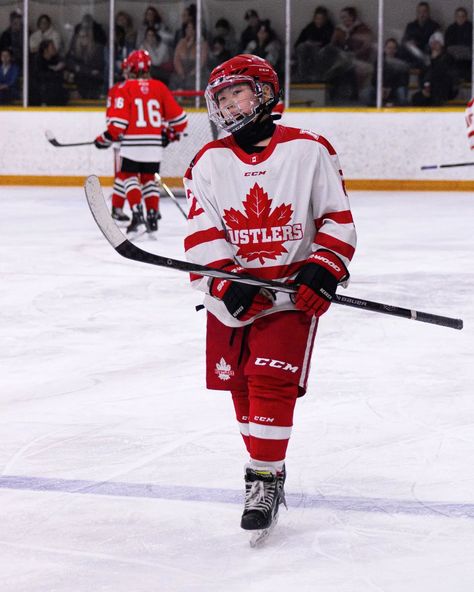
(241, 406)
(118, 201)
(133, 191)
(272, 403)
(134, 196)
(151, 203)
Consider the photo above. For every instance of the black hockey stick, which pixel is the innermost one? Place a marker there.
(124, 247)
(52, 140)
(159, 181)
(446, 166)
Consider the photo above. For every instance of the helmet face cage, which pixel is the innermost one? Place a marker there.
(232, 117)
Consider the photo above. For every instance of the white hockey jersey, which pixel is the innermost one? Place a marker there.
(470, 123)
(266, 212)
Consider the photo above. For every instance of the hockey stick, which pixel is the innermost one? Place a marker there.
(445, 166)
(159, 181)
(52, 140)
(124, 247)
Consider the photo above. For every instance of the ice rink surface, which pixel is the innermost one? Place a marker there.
(121, 473)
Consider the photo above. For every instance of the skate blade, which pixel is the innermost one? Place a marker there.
(152, 235)
(137, 234)
(258, 537)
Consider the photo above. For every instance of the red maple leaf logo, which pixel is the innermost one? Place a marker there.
(259, 216)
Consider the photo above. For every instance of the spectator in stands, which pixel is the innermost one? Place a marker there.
(47, 76)
(395, 79)
(458, 39)
(319, 30)
(249, 34)
(86, 64)
(152, 19)
(415, 40)
(45, 30)
(316, 35)
(12, 38)
(218, 53)
(439, 82)
(354, 40)
(188, 15)
(98, 33)
(184, 61)
(224, 30)
(267, 45)
(160, 53)
(8, 77)
(124, 20)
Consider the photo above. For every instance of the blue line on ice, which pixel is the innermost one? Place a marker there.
(229, 496)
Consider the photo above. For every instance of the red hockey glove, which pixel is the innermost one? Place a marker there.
(318, 280)
(168, 135)
(103, 141)
(243, 301)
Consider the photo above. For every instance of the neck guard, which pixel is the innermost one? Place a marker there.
(254, 133)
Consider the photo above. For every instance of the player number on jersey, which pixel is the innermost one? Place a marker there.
(153, 113)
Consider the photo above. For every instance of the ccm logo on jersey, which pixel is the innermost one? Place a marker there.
(254, 173)
(276, 364)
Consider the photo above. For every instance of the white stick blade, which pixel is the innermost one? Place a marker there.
(49, 135)
(100, 212)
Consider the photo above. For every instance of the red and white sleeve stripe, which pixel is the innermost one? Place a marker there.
(205, 243)
(334, 224)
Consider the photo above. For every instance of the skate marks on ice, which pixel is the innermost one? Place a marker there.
(229, 496)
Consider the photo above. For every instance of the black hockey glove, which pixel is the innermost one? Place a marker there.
(168, 135)
(318, 280)
(243, 301)
(103, 140)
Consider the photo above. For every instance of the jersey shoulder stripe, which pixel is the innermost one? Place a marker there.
(209, 146)
(289, 134)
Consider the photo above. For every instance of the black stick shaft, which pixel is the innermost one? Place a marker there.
(124, 247)
(397, 311)
(61, 145)
(54, 142)
(446, 166)
(131, 251)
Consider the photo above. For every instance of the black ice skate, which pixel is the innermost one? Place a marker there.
(152, 218)
(118, 214)
(264, 492)
(137, 226)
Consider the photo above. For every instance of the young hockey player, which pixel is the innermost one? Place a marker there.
(268, 200)
(144, 116)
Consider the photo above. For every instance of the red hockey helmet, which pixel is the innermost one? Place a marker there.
(139, 61)
(242, 69)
